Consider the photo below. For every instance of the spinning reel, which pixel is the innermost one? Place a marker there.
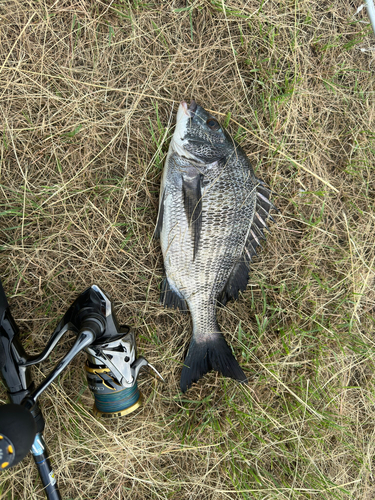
(112, 369)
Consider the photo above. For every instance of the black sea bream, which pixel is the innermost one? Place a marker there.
(212, 213)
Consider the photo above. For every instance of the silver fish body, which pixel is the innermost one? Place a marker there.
(212, 213)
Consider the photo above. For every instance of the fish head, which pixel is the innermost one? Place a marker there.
(199, 136)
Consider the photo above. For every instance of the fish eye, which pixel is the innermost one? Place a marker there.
(213, 124)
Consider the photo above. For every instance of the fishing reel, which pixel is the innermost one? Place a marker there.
(112, 368)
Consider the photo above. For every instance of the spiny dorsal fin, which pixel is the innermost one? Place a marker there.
(239, 276)
(262, 213)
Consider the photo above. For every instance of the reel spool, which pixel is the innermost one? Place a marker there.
(112, 370)
(111, 401)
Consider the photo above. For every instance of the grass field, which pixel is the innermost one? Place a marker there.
(88, 96)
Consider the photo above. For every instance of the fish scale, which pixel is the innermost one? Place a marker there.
(211, 217)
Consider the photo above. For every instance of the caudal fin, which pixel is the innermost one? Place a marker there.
(213, 354)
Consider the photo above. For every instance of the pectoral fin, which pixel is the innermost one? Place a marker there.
(192, 195)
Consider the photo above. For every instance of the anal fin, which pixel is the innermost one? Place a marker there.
(171, 298)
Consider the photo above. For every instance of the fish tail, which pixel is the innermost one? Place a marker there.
(212, 353)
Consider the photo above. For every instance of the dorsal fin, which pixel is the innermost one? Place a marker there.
(237, 282)
(262, 209)
(239, 276)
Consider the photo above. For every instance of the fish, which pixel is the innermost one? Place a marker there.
(212, 216)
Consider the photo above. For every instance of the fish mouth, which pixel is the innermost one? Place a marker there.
(192, 108)
(185, 115)
(189, 110)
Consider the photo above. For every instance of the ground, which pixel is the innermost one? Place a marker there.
(89, 91)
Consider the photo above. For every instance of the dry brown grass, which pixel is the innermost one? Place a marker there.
(88, 95)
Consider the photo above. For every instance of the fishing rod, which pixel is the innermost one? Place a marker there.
(112, 368)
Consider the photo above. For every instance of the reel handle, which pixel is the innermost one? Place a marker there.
(17, 434)
(91, 329)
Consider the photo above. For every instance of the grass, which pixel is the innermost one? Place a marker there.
(89, 93)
